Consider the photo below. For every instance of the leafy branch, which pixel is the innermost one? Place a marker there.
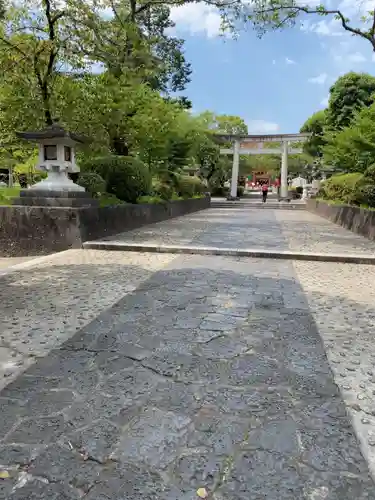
(279, 13)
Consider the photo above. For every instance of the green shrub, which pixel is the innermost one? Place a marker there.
(176, 197)
(97, 165)
(365, 195)
(7, 193)
(92, 182)
(299, 189)
(126, 177)
(189, 185)
(4, 200)
(108, 200)
(162, 189)
(150, 199)
(370, 173)
(343, 187)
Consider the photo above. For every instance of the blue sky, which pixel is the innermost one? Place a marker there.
(274, 83)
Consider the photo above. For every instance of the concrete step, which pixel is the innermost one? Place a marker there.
(258, 196)
(258, 253)
(272, 205)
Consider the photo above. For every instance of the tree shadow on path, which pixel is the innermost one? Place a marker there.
(211, 374)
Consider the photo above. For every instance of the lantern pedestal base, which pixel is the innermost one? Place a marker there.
(57, 180)
(44, 198)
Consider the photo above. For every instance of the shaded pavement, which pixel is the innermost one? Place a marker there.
(208, 372)
(248, 227)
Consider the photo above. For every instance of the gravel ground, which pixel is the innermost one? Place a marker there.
(341, 298)
(44, 304)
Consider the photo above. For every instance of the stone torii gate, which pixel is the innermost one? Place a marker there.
(254, 145)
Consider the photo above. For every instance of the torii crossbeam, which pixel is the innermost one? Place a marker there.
(254, 145)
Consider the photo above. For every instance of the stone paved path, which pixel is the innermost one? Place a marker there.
(155, 375)
(43, 305)
(251, 228)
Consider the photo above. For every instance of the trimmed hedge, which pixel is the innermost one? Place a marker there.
(189, 186)
(92, 182)
(343, 187)
(350, 189)
(126, 177)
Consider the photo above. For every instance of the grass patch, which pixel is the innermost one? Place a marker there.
(7, 193)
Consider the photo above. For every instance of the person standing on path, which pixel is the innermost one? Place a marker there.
(264, 192)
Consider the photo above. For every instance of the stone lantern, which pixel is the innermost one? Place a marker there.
(57, 158)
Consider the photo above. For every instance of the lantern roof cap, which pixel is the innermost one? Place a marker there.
(54, 131)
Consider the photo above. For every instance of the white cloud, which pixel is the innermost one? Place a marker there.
(289, 61)
(261, 127)
(356, 8)
(357, 57)
(197, 18)
(325, 27)
(319, 80)
(324, 102)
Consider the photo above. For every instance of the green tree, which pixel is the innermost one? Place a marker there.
(352, 149)
(207, 155)
(47, 52)
(259, 163)
(32, 45)
(230, 124)
(316, 126)
(174, 71)
(223, 124)
(349, 94)
(269, 15)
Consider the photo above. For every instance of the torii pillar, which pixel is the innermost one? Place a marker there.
(284, 172)
(235, 170)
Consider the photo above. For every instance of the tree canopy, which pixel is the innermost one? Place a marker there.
(113, 72)
(223, 124)
(316, 126)
(349, 94)
(344, 134)
(269, 15)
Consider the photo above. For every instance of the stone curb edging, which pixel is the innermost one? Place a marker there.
(261, 206)
(358, 220)
(232, 252)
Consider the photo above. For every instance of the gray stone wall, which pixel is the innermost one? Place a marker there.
(358, 220)
(42, 230)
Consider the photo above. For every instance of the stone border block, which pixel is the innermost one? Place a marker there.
(40, 230)
(358, 220)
